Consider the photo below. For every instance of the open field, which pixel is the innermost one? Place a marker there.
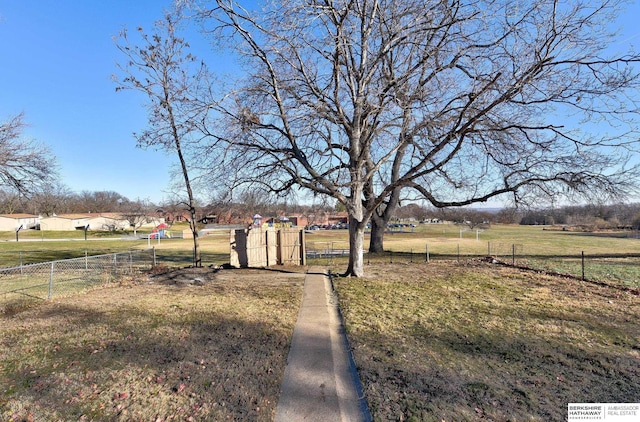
(610, 257)
(215, 248)
(162, 348)
(531, 240)
(441, 239)
(474, 341)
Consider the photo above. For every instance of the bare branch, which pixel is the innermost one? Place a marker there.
(463, 101)
(25, 166)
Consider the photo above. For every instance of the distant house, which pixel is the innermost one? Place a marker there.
(300, 220)
(171, 217)
(107, 221)
(65, 222)
(338, 217)
(152, 222)
(12, 222)
(95, 222)
(323, 219)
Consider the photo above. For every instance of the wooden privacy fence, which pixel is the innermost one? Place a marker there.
(267, 247)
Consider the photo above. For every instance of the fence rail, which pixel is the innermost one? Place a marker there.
(62, 277)
(613, 269)
(58, 278)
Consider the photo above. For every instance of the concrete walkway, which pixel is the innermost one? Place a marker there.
(320, 380)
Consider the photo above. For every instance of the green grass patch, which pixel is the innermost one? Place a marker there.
(25, 253)
(615, 271)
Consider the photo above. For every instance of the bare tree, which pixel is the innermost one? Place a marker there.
(462, 101)
(100, 201)
(137, 214)
(52, 198)
(25, 165)
(176, 85)
(10, 202)
(411, 211)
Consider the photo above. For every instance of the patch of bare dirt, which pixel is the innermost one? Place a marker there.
(185, 276)
(198, 276)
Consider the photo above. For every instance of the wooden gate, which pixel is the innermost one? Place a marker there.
(291, 249)
(266, 247)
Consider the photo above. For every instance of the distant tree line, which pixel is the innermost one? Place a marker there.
(61, 200)
(592, 216)
(614, 216)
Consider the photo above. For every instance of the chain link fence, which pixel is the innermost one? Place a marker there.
(620, 270)
(64, 277)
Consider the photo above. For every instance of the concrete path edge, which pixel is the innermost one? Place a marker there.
(343, 347)
(320, 381)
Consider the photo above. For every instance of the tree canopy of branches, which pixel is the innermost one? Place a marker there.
(25, 166)
(460, 100)
(176, 85)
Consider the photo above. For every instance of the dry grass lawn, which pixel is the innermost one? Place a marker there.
(443, 341)
(475, 341)
(196, 345)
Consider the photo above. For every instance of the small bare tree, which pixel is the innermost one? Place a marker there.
(462, 101)
(137, 214)
(25, 166)
(176, 85)
(10, 202)
(51, 199)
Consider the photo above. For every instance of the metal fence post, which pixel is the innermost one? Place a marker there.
(427, 251)
(582, 265)
(51, 280)
(513, 255)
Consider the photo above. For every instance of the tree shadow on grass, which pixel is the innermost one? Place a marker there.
(609, 234)
(135, 362)
(460, 376)
(183, 258)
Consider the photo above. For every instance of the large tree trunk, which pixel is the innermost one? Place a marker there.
(356, 233)
(356, 248)
(379, 221)
(376, 242)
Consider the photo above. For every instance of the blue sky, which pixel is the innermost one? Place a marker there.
(57, 61)
(57, 58)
